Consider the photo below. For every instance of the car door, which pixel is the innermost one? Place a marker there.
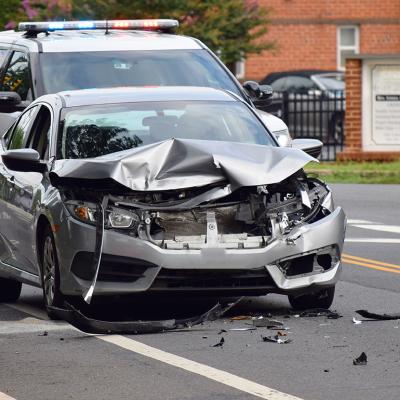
(20, 191)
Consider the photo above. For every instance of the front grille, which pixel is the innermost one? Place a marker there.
(112, 268)
(190, 279)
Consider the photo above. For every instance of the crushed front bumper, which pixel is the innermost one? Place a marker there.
(157, 262)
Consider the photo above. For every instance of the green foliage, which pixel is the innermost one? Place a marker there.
(231, 28)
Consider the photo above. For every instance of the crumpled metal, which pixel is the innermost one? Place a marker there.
(184, 163)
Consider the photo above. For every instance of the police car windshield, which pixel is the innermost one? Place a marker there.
(92, 131)
(70, 71)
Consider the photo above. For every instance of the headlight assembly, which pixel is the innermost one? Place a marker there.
(115, 217)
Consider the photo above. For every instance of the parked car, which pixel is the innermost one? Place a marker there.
(311, 102)
(168, 189)
(48, 57)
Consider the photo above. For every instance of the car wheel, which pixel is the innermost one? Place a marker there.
(50, 273)
(9, 290)
(320, 299)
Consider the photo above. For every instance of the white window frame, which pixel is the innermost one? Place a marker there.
(339, 47)
(240, 69)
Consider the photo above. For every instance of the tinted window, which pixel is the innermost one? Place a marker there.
(17, 76)
(95, 131)
(69, 71)
(21, 130)
(40, 132)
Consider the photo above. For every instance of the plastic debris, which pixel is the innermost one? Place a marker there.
(356, 321)
(219, 344)
(377, 317)
(276, 339)
(267, 323)
(247, 328)
(320, 312)
(45, 333)
(361, 360)
(222, 331)
(240, 317)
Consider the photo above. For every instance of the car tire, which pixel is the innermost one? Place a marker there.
(52, 295)
(10, 290)
(321, 299)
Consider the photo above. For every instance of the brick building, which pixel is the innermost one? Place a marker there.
(318, 34)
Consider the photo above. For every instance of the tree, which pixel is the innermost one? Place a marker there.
(231, 28)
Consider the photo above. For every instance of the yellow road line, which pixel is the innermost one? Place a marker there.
(369, 261)
(361, 264)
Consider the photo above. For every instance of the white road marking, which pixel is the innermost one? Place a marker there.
(372, 240)
(382, 228)
(359, 221)
(28, 309)
(206, 371)
(4, 396)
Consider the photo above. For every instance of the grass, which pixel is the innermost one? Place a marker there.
(357, 172)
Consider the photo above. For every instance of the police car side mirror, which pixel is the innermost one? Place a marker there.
(10, 101)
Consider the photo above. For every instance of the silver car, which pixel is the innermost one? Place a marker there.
(171, 189)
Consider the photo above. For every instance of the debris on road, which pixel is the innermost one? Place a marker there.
(319, 312)
(90, 325)
(361, 360)
(240, 317)
(45, 333)
(276, 339)
(247, 328)
(222, 331)
(356, 321)
(267, 323)
(219, 344)
(377, 317)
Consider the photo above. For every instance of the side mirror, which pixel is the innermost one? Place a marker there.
(313, 147)
(23, 160)
(256, 91)
(11, 102)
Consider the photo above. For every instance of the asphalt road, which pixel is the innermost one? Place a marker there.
(316, 365)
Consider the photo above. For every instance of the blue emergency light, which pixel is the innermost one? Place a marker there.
(130, 24)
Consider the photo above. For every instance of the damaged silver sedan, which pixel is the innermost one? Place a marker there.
(167, 190)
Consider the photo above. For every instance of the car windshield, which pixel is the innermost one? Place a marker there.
(88, 70)
(93, 131)
(331, 81)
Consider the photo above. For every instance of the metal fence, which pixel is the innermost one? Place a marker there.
(317, 115)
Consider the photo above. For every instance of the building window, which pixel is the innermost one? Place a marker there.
(348, 43)
(240, 69)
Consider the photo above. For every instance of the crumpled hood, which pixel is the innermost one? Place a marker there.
(183, 163)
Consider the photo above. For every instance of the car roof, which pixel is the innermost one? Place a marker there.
(97, 40)
(307, 73)
(86, 97)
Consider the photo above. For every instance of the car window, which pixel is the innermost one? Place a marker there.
(17, 76)
(299, 83)
(93, 131)
(39, 137)
(70, 71)
(21, 129)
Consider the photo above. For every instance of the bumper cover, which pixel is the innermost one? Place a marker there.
(328, 231)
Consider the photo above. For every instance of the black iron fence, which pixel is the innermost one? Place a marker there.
(315, 114)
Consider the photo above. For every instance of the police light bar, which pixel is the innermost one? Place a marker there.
(130, 24)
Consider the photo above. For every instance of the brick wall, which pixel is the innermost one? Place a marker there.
(305, 32)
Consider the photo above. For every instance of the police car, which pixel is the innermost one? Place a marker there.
(48, 57)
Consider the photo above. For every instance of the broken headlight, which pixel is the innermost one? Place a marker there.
(115, 217)
(122, 219)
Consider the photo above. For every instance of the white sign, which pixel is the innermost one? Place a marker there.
(381, 105)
